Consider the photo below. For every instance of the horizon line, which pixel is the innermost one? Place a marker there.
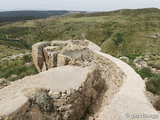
(7, 10)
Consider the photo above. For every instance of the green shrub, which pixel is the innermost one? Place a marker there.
(145, 72)
(132, 56)
(16, 67)
(27, 58)
(108, 33)
(118, 39)
(153, 85)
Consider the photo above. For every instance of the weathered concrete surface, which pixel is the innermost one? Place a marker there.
(55, 79)
(130, 102)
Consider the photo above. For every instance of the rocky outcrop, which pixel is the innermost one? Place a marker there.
(38, 55)
(64, 92)
(44, 93)
(50, 54)
(56, 53)
(74, 76)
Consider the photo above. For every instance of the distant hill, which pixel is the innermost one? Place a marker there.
(120, 32)
(28, 15)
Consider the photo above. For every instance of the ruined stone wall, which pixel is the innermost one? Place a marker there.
(70, 104)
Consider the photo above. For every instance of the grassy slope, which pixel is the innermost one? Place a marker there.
(117, 32)
(7, 51)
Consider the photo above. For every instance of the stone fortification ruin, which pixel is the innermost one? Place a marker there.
(75, 76)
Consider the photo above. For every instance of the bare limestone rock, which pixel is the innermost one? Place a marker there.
(80, 57)
(37, 53)
(73, 54)
(44, 93)
(140, 63)
(50, 54)
(124, 58)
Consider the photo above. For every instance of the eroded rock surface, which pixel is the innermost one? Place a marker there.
(38, 55)
(65, 90)
(75, 77)
(57, 53)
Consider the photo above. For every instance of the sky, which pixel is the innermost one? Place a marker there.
(80, 5)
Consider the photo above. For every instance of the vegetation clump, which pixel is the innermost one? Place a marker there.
(153, 85)
(145, 72)
(16, 69)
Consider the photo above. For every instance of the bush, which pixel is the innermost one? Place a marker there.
(17, 67)
(108, 34)
(132, 56)
(153, 85)
(118, 39)
(27, 58)
(145, 72)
